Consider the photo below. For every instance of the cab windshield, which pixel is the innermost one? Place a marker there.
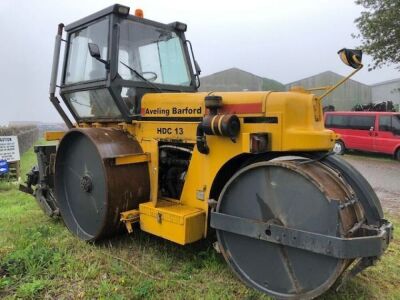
(153, 54)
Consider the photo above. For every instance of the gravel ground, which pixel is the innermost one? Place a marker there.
(383, 174)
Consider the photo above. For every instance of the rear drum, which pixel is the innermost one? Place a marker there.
(297, 195)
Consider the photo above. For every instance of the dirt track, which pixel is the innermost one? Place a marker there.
(383, 174)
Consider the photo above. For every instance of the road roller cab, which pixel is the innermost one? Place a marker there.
(146, 151)
(113, 58)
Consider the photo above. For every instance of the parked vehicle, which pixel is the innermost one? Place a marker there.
(378, 106)
(366, 131)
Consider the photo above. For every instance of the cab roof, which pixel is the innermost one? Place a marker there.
(116, 8)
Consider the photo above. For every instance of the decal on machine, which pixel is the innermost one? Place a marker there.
(170, 130)
(172, 111)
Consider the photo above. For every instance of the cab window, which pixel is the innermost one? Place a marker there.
(80, 65)
(361, 122)
(355, 122)
(93, 104)
(157, 54)
(337, 121)
(385, 123)
(396, 124)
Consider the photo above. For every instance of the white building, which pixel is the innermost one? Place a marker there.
(387, 90)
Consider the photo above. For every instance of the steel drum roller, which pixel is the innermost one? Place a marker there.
(91, 190)
(294, 194)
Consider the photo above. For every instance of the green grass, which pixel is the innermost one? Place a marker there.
(39, 259)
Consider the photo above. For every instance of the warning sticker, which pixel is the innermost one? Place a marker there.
(9, 148)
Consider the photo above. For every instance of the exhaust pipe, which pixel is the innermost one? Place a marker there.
(53, 78)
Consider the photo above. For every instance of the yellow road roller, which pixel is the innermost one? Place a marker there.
(146, 150)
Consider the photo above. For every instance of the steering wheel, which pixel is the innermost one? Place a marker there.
(141, 74)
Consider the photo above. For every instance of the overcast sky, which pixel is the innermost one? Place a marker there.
(284, 40)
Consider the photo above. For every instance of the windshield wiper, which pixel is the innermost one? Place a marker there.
(77, 102)
(141, 77)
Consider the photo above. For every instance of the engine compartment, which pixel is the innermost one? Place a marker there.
(174, 159)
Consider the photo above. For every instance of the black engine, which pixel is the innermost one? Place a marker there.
(174, 162)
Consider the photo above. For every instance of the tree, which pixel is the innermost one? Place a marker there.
(379, 26)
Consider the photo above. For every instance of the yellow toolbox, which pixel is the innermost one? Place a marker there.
(170, 220)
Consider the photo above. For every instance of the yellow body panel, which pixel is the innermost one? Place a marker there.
(293, 121)
(184, 131)
(150, 146)
(132, 159)
(53, 135)
(300, 124)
(192, 104)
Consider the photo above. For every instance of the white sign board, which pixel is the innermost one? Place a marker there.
(9, 149)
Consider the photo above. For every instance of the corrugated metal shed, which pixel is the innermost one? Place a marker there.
(344, 98)
(238, 80)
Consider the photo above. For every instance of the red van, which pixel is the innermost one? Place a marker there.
(366, 131)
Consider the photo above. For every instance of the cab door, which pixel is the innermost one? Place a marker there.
(388, 134)
(361, 133)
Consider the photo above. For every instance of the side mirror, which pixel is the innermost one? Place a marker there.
(94, 50)
(95, 53)
(197, 67)
(351, 57)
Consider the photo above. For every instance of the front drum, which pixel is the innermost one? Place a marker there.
(90, 188)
